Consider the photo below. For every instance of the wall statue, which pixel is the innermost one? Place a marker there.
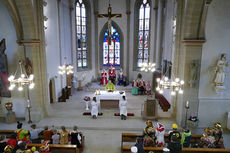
(220, 73)
(193, 72)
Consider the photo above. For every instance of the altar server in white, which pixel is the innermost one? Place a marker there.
(123, 108)
(94, 108)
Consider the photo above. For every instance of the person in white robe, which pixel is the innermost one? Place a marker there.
(94, 108)
(123, 108)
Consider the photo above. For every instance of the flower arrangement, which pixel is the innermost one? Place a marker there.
(193, 118)
(87, 98)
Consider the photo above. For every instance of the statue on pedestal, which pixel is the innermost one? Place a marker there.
(220, 73)
(10, 115)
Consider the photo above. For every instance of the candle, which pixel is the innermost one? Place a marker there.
(187, 104)
(28, 103)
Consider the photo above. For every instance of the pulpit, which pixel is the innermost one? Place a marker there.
(149, 109)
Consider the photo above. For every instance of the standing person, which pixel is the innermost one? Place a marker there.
(55, 137)
(110, 86)
(112, 74)
(148, 88)
(64, 135)
(21, 134)
(120, 77)
(123, 108)
(135, 87)
(175, 140)
(47, 134)
(75, 137)
(94, 108)
(104, 80)
(34, 134)
(160, 134)
(2, 143)
(141, 88)
(149, 135)
(186, 138)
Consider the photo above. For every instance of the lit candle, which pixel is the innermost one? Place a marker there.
(187, 104)
(28, 103)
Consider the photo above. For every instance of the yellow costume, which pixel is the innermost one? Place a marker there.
(110, 86)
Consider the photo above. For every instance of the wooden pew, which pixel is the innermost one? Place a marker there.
(54, 148)
(195, 139)
(126, 149)
(58, 148)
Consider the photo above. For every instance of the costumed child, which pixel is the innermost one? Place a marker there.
(148, 88)
(160, 133)
(22, 135)
(218, 134)
(186, 138)
(135, 87)
(44, 148)
(104, 80)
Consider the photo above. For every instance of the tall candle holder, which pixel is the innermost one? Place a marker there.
(186, 113)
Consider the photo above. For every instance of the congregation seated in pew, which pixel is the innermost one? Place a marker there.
(19, 140)
(176, 141)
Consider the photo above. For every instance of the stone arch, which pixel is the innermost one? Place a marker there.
(101, 38)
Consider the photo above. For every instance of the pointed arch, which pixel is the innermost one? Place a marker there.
(101, 40)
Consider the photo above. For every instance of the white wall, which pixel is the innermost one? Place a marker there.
(213, 107)
(7, 31)
(58, 41)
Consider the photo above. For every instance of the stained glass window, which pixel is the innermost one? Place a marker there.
(81, 34)
(111, 53)
(143, 33)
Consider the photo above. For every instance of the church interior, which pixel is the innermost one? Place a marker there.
(168, 59)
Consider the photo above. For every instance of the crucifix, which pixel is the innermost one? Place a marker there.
(109, 16)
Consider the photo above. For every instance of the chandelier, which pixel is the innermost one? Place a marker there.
(66, 68)
(148, 67)
(175, 85)
(23, 79)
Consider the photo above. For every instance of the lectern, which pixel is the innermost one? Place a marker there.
(149, 109)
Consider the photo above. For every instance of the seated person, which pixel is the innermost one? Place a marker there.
(75, 137)
(2, 143)
(218, 134)
(148, 88)
(207, 140)
(112, 74)
(120, 77)
(110, 86)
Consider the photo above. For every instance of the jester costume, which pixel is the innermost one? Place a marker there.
(149, 135)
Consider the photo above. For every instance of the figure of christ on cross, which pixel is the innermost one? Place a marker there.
(109, 16)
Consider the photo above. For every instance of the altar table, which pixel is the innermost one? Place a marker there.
(109, 99)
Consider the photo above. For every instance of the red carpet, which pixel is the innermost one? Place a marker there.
(128, 114)
(89, 114)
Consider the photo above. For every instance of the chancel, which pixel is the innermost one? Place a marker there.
(151, 75)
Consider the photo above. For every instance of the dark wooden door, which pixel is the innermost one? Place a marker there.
(51, 91)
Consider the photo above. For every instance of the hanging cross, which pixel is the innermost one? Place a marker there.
(109, 16)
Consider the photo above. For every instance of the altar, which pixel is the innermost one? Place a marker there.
(109, 99)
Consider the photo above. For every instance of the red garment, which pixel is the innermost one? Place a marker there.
(134, 84)
(12, 142)
(112, 72)
(104, 80)
(47, 134)
(142, 83)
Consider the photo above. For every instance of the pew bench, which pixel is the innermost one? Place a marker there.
(126, 149)
(54, 148)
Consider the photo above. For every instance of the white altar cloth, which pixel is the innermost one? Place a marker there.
(105, 95)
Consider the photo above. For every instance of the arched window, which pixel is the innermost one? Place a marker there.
(143, 33)
(81, 34)
(111, 53)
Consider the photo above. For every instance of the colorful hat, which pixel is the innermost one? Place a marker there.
(160, 127)
(45, 146)
(174, 126)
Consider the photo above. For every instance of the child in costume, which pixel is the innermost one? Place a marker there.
(160, 133)
(149, 135)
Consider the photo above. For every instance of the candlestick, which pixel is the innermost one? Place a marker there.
(187, 105)
(28, 103)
